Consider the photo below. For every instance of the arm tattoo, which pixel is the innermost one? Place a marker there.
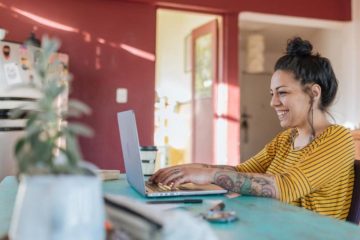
(223, 167)
(256, 184)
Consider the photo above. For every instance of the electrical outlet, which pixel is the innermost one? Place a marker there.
(121, 95)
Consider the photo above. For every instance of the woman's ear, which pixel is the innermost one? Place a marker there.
(315, 92)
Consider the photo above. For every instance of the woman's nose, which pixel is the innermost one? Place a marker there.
(274, 100)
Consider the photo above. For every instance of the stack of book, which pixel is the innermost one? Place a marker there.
(135, 219)
(106, 175)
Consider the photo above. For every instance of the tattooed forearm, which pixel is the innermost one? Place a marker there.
(223, 167)
(247, 183)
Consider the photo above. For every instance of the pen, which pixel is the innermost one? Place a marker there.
(176, 201)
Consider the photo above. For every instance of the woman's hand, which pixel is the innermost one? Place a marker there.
(176, 175)
(161, 172)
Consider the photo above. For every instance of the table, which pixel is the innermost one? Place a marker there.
(259, 218)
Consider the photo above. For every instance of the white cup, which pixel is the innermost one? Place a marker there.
(148, 158)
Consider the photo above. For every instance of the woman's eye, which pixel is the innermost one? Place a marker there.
(282, 93)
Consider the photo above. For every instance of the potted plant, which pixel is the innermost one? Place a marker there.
(58, 197)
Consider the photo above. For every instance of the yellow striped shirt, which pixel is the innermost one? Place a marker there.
(318, 177)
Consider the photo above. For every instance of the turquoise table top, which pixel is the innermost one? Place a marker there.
(259, 218)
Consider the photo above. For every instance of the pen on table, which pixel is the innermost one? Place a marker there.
(176, 201)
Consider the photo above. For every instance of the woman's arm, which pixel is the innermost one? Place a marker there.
(223, 167)
(165, 173)
(256, 184)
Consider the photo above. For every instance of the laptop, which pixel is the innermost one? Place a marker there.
(134, 174)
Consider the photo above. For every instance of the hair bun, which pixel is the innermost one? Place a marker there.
(299, 47)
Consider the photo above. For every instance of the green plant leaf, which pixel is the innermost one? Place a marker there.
(80, 129)
(16, 113)
(47, 127)
(79, 106)
(19, 145)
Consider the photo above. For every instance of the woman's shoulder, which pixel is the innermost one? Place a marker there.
(283, 136)
(286, 133)
(335, 130)
(337, 126)
(336, 139)
(334, 135)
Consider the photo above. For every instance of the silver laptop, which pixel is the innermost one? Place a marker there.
(131, 153)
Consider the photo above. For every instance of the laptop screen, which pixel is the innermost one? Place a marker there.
(131, 150)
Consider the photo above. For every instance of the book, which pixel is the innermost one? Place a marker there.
(107, 174)
(136, 219)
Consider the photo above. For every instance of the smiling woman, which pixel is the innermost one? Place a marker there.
(310, 164)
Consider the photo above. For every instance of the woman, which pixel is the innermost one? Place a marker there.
(310, 164)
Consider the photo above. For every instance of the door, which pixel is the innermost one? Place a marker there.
(259, 123)
(204, 79)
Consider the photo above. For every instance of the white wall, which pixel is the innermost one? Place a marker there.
(341, 46)
(335, 45)
(356, 63)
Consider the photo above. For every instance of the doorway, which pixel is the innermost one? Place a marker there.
(175, 114)
(259, 123)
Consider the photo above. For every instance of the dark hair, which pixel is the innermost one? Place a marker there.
(309, 68)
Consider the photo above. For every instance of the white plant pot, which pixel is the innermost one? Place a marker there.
(58, 208)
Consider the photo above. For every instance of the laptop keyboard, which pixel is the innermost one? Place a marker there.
(160, 187)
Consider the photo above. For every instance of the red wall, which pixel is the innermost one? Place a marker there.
(118, 22)
(325, 9)
(134, 23)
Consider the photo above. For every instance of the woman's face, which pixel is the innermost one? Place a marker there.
(290, 102)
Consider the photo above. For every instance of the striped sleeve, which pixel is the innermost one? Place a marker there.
(327, 157)
(261, 161)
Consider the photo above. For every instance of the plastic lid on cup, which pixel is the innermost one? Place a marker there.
(148, 148)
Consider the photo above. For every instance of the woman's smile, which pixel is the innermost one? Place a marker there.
(282, 114)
